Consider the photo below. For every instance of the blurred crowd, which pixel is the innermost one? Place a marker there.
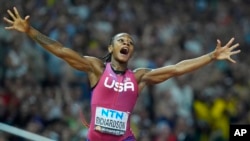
(42, 94)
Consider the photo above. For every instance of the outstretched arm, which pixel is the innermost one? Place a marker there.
(71, 57)
(161, 74)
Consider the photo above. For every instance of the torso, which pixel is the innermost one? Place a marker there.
(112, 102)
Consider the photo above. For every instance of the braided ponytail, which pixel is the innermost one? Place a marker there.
(107, 57)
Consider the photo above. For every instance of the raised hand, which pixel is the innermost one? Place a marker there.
(16, 22)
(225, 52)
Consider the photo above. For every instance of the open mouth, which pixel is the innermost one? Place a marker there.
(124, 51)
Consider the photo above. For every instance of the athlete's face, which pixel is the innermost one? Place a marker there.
(122, 47)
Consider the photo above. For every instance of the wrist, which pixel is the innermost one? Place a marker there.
(31, 32)
(211, 56)
(28, 30)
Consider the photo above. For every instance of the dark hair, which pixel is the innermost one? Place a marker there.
(111, 40)
(107, 57)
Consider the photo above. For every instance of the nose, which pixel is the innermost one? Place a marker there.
(126, 42)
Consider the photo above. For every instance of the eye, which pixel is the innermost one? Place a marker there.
(131, 43)
(121, 40)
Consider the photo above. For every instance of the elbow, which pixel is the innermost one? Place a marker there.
(157, 79)
(59, 52)
(176, 71)
(181, 69)
(56, 49)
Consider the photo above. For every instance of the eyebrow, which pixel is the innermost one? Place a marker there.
(120, 37)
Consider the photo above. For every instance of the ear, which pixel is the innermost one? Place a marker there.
(110, 48)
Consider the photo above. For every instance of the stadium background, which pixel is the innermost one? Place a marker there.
(42, 94)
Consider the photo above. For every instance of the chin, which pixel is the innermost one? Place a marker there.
(123, 60)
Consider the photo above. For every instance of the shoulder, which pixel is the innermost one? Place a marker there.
(94, 61)
(97, 65)
(92, 58)
(140, 72)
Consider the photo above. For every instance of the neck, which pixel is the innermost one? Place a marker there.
(118, 66)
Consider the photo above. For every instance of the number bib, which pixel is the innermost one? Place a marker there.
(111, 121)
